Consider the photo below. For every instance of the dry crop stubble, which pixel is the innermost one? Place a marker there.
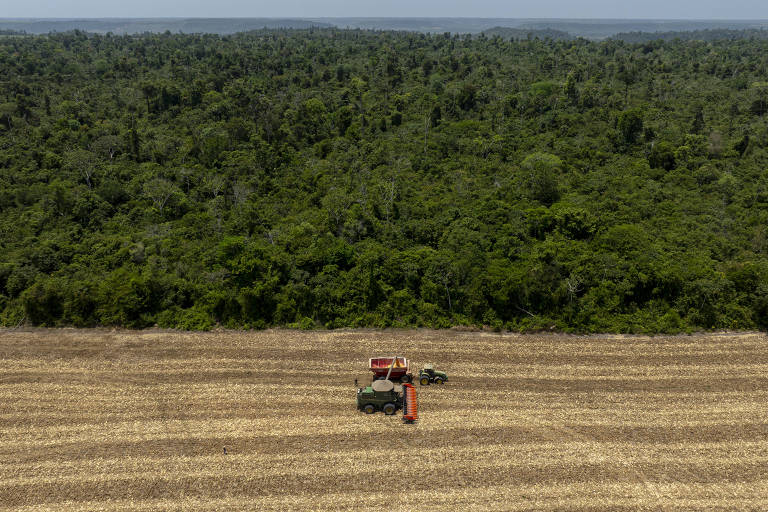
(121, 420)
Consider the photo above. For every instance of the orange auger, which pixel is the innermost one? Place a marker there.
(410, 407)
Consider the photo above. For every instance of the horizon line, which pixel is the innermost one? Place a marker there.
(310, 18)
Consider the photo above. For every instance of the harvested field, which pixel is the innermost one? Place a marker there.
(121, 420)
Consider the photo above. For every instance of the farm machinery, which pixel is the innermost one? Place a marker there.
(388, 397)
(390, 368)
(397, 369)
(383, 395)
(428, 375)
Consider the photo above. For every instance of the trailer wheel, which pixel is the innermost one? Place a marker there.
(389, 409)
(405, 379)
(369, 409)
(424, 381)
(438, 380)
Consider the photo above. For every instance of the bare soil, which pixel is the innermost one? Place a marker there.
(126, 420)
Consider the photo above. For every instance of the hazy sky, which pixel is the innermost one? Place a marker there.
(677, 9)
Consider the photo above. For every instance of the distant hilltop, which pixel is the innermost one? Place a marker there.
(156, 25)
(504, 27)
(522, 33)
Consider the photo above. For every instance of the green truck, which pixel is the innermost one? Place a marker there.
(381, 395)
(428, 375)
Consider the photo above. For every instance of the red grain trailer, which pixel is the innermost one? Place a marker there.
(380, 366)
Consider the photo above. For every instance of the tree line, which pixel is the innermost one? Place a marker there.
(332, 178)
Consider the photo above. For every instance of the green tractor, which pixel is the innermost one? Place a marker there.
(382, 395)
(429, 375)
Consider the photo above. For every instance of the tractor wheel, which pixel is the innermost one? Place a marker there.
(389, 409)
(369, 409)
(424, 381)
(438, 380)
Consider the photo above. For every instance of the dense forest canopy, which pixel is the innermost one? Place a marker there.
(520, 33)
(692, 35)
(350, 178)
